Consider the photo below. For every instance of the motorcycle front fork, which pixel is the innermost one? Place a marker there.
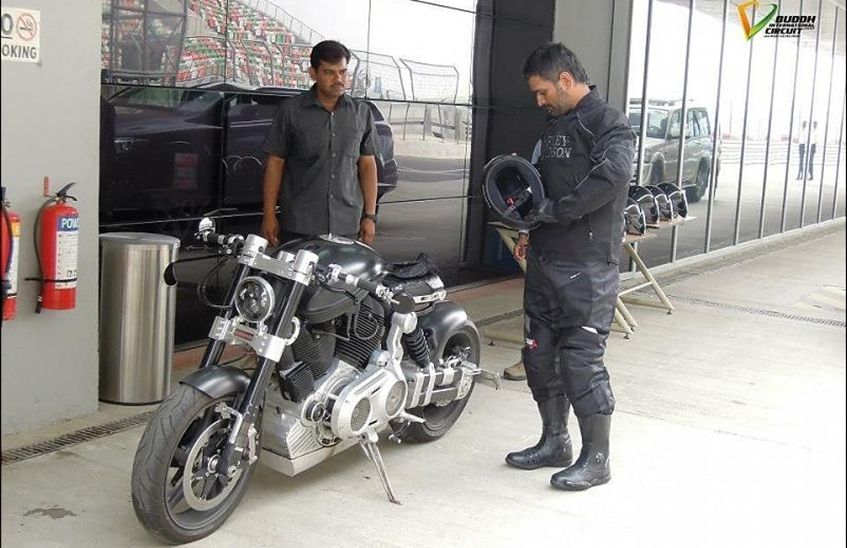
(246, 407)
(215, 347)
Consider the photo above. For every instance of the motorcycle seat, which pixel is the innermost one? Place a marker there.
(411, 270)
(418, 279)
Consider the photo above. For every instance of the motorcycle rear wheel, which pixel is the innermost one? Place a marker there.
(439, 419)
(185, 435)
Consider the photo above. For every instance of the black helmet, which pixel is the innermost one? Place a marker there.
(677, 197)
(666, 210)
(647, 202)
(633, 217)
(512, 187)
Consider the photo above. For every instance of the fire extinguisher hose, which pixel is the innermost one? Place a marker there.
(36, 234)
(8, 266)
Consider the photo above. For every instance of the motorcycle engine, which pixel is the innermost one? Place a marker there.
(344, 404)
(363, 332)
(353, 401)
(315, 346)
(352, 338)
(335, 379)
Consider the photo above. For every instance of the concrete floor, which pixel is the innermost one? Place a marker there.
(729, 431)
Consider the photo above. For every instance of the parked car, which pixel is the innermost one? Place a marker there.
(179, 152)
(661, 146)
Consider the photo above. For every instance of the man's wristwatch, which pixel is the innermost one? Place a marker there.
(371, 216)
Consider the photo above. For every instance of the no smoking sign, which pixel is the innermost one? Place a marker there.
(21, 35)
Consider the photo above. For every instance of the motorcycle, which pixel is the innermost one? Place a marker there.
(346, 348)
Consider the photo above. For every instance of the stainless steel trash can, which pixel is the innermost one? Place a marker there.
(136, 317)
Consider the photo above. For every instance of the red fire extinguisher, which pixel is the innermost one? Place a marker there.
(57, 243)
(10, 227)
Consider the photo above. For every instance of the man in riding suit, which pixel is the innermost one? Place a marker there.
(572, 266)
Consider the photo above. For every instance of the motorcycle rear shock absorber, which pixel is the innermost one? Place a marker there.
(416, 347)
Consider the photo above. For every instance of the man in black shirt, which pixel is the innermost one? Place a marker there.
(323, 143)
(572, 266)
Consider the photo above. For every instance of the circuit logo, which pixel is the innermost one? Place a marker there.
(751, 28)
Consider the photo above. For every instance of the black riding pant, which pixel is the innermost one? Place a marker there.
(568, 311)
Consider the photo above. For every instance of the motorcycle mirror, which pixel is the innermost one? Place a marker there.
(206, 225)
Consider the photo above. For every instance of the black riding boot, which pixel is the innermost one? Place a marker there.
(554, 447)
(592, 466)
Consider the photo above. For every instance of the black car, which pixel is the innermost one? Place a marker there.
(179, 152)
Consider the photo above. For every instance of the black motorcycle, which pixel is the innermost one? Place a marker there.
(346, 347)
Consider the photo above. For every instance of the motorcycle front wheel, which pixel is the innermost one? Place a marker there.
(177, 492)
(438, 419)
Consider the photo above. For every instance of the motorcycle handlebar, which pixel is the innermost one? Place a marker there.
(224, 240)
(399, 301)
(371, 287)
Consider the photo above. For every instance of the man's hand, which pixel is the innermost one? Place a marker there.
(270, 229)
(544, 212)
(519, 253)
(367, 231)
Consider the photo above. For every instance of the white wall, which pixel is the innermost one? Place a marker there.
(50, 126)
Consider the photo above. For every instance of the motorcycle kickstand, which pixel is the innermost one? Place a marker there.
(369, 446)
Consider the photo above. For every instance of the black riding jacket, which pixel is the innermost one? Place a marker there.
(586, 166)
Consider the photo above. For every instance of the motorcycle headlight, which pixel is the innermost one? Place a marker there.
(254, 299)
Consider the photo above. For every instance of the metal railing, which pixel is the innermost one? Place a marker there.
(754, 154)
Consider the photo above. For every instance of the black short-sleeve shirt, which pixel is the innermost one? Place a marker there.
(320, 191)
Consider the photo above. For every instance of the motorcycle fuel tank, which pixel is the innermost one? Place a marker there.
(355, 258)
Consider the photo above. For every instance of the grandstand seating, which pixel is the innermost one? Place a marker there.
(259, 51)
(203, 61)
(212, 12)
(260, 62)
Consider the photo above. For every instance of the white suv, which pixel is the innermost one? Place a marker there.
(661, 146)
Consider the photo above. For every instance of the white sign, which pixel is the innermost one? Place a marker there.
(21, 35)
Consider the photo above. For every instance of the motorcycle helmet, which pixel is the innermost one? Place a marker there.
(666, 211)
(512, 187)
(634, 222)
(677, 197)
(647, 201)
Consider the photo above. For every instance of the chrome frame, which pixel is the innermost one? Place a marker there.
(235, 332)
